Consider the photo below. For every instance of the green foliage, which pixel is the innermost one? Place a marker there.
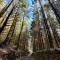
(1, 1)
(46, 5)
(23, 4)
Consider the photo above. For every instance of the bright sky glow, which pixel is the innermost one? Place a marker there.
(7, 1)
(30, 8)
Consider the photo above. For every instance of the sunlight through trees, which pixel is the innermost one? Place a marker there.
(29, 29)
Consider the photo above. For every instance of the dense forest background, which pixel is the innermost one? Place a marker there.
(29, 29)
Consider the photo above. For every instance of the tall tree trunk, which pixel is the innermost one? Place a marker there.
(55, 11)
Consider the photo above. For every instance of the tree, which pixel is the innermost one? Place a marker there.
(56, 11)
